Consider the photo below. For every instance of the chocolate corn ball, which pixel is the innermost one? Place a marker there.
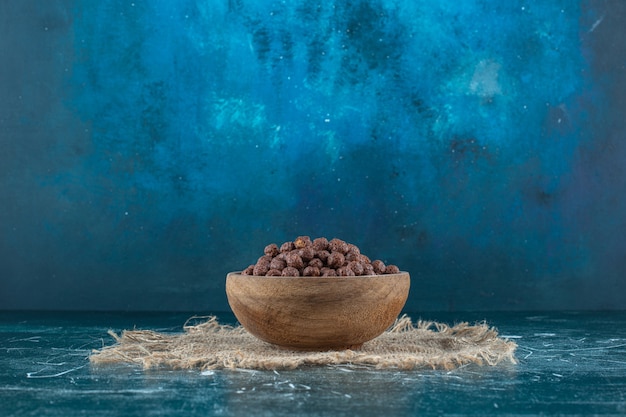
(307, 253)
(322, 255)
(311, 271)
(335, 260)
(319, 244)
(294, 260)
(379, 266)
(316, 262)
(248, 271)
(328, 272)
(290, 271)
(264, 258)
(302, 241)
(287, 247)
(338, 245)
(368, 269)
(278, 263)
(271, 250)
(274, 272)
(351, 256)
(392, 269)
(364, 259)
(356, 267)
(353, 249)
(344, 271)
(261, 268)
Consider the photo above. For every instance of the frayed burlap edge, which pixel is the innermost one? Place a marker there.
(405, 345)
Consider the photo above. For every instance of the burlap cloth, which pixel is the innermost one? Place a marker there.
(405, 345)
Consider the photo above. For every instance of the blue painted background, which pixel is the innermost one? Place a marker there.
(150, 147)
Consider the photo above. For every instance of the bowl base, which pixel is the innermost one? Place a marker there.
(319, 349)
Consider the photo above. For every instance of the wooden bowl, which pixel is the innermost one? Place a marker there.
(317, 313)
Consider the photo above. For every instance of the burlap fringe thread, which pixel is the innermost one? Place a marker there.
(210, 345)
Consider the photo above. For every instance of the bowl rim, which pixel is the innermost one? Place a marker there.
(309, 278)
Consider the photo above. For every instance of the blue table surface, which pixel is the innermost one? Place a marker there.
(570, 364)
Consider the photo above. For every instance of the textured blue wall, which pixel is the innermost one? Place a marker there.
(149, 147)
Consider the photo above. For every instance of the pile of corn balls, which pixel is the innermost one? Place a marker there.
(317, 258)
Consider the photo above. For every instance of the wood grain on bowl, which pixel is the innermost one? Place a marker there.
(317, 313)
